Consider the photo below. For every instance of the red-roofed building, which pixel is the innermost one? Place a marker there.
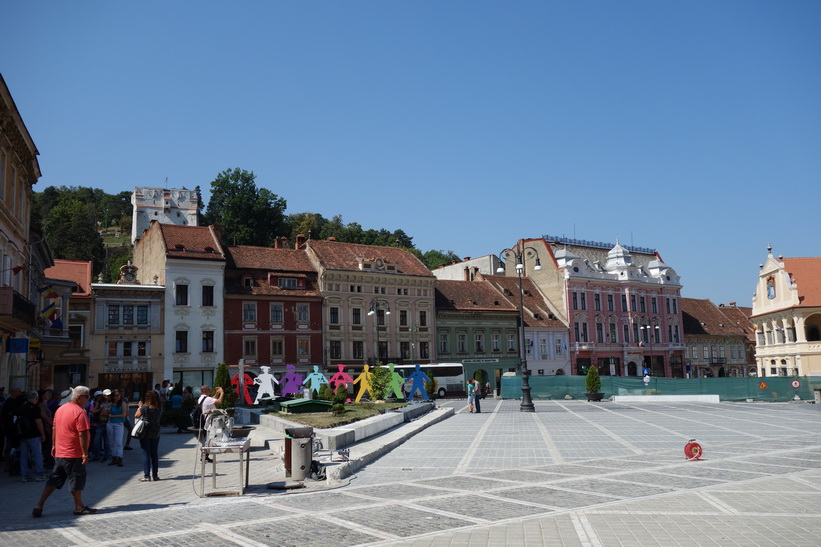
(787, 316)
(715, 345)
(273, 309)
(378, 303)
(189, 262)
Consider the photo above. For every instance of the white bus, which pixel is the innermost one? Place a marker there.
(450, 377)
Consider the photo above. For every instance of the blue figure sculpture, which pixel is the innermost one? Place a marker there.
(395, 382)
(316, 379)
(418, 379)
(291, 382)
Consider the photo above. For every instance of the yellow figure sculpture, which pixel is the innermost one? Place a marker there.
(364, 381)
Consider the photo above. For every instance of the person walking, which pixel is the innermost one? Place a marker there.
(70, 438)
(116, 427)
(32, 433)
(477, 396)
(471, 391)
(150, 410)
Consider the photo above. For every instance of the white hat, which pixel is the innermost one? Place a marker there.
(65, 396)
(106, 392)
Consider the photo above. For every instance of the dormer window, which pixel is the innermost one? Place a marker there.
(287, 283)
(179, 247)
(247, 281)
(208, 249)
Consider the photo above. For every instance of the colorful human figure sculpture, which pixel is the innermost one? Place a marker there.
(340, 378)
(291, 381)
(316, 379)
(364, 381)
(395, 382)
(418, 379)
(247, 381)
(266, 382)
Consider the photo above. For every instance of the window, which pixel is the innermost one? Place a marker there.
(334, 315)
(207, 295)
(721, 351)
(557, 346)
(443, 343)
(142, 315)
(496, 342)
(613, 334)
(633, 302)
(597, 302)
(277, 313)
(112, 349)
(75, 334)
(624, 302)
(511, 342)
(114, 314)
(610, 303)
(3, 160)
(706, 352)
(335, 349)
(424, 350)
(654, 304)
(583, 300)
(249, 311)
(287, 283)
(675, 305)
(480, 342)
(694, 353)
(668, 305)
(461, 343)
(599, 333)
(643, 305)
(208, 341)
(302, 314)
(626, 333)
(380, 317)
(142, 349)
(181, 298)
(636, 332)
(543, 347)
(181, 345)
(423, 318)
(356, 316)
(249, 347)
(278, 347)
(404, 350)
(127, 348)
(303, 347)
(247, 281)
(584, 333)
(358, 352)
(575, 300)
(403, 317)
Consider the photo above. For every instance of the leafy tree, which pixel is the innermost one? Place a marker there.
(248, 215)
(434, 259)
(308, 224)
(223, 378)
(592, 381)
(71, 232)
(116, 257)
(379, 382)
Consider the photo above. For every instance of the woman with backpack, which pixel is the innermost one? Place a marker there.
(150, 410)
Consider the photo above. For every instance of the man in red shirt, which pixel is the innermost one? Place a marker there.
(70, 436)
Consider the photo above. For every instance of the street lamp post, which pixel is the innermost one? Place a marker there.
(372, 310)
(650, 334)
(519, 255)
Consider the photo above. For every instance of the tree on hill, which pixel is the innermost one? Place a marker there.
(248, 215)
(71, 232)
(433, 259)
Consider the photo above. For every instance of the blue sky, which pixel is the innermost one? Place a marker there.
(690, 127)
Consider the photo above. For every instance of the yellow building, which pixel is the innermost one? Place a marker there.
(787, 316)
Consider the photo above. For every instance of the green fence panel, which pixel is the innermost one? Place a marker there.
(777, 389)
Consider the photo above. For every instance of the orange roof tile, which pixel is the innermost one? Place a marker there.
(78, 271)
(198, 242)
(268, 258)
(702, 317)
(537, 311)
(806, 272)
(337, 255)
(469, 296)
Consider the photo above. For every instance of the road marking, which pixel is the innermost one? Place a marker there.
(477, 442)
(587, 536)
(555, 453)
(604, 430)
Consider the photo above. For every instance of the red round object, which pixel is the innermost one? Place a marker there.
(692, 451)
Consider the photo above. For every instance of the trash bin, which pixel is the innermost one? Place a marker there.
(298, 452)
(817, 392)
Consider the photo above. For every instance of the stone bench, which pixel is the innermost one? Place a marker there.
(666, 399)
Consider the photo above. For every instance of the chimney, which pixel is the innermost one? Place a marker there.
(732, 304)
(300, 241)
(467, 273)
(331, 238)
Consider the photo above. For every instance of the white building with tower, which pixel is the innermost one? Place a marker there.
(165, 205)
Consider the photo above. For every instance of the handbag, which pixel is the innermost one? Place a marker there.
(139, 431)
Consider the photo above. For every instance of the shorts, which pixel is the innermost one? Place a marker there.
(68, 469)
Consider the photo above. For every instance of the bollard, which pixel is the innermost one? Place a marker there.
(301, 451)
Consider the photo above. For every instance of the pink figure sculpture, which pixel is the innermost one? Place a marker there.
(340, 378)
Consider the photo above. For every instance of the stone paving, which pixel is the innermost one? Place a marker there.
(573, 473)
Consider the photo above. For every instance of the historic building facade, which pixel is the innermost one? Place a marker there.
(787, 316)
(622, 304)
(378, 303)
(715, 345)
(166, 206)
(273, 309)
(189, 262)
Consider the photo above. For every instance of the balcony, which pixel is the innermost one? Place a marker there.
(16, 312)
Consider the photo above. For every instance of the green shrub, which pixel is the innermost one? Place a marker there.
(379, 382)
(325, 393)
(338, 409)
(592, 381)
(223, 379)
(431, 387)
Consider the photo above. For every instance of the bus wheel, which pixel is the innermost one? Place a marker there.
(441, 393)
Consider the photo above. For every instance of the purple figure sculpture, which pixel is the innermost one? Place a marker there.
(340, 378)
(291, 382)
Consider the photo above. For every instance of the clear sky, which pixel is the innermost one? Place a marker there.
(690, 127)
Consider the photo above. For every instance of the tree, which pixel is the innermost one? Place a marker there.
(248, 215)
(434, 259)
(223, 379)
(379, 382)
(71, 232)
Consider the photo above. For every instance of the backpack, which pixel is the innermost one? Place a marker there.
(196, 414)
(26, 428)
